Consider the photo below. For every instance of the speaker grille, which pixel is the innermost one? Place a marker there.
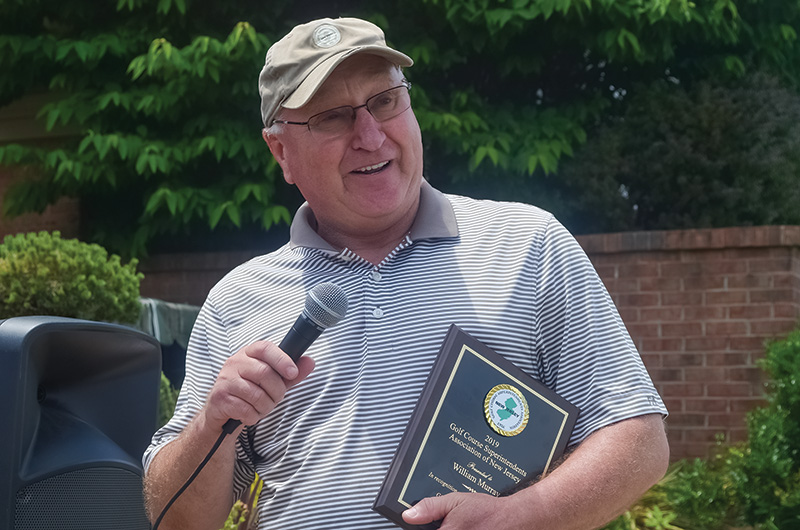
(87, 499)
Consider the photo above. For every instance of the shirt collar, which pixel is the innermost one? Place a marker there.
(435, 218)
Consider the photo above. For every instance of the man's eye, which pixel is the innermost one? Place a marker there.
(384, 101)
(331, 117)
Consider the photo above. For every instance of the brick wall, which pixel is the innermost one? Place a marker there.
(63, 216)
(18, 125)
(700, 304)
(187, 278)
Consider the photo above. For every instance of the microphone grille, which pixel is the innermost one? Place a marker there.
(326, 304)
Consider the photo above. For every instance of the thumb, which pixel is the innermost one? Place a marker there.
(432, 509)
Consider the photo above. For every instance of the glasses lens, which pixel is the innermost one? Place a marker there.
(389, 103)
(382, 106)
(332, 122)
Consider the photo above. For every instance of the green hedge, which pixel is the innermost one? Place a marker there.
(42, 274)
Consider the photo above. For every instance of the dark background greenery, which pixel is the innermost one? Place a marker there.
(613, 114)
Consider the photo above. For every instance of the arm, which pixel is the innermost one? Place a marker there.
(607, 473)
(251, 383)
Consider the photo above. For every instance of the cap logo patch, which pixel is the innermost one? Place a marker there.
(326, 36)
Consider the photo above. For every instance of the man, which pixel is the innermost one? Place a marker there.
(337, 117)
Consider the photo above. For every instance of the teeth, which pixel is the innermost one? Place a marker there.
(371, 168)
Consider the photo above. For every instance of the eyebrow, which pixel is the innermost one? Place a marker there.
(373, 72)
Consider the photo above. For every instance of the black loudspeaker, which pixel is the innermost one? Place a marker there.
(79, 403)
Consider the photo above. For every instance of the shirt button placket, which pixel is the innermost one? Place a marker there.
(375, 277)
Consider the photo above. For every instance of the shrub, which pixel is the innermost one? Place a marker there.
(42, 274)
(767, 473)
(754, 484)
(651, 511)
(168, 396)
(701, 493)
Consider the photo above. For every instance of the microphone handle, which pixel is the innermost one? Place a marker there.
(303, 333)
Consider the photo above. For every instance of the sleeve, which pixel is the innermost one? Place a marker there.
(207, 351)
(585, 352)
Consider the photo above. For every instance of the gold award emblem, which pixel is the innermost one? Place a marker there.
(506, 410)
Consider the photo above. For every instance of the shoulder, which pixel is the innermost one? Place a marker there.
(470, 211)
(275, 268)
(505, 220)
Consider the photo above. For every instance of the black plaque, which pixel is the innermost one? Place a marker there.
(481, 425)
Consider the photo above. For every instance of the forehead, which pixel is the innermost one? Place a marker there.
(362, 72)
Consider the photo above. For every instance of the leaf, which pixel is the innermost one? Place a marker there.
(735, 65)
(141, 163)
(63, 50)
(478, 157)
(626, 36)
(548, 162)
(154, 201)
(234, 214)
(83, 50)
(87, 140)
(215, 214)
(789, 33)
(213, 73)
(493, 154)
(533, 162)
(241, 193)
(172, 202)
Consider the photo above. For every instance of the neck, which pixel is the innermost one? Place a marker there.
(373, 247)
(371, 244)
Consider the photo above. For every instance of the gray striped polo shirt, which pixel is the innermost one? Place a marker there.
(507, 273)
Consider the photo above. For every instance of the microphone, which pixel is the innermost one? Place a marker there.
(326, 305)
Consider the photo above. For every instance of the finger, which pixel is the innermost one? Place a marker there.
(432, 509)
(232, 400)
(305, 365)
(249, 386)
(273, 356)
(262, 395)
(268, 376)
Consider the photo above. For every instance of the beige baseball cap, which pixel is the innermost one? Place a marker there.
(298, 64)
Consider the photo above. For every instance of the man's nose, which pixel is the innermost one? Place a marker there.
(367, 131)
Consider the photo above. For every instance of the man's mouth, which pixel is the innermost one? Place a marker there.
(369, 170)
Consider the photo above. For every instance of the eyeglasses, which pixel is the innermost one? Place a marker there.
(336, 122)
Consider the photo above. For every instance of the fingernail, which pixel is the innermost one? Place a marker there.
(411, 512)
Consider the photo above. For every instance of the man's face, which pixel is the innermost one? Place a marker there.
(365, 182)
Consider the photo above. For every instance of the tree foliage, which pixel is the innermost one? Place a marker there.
(711, 154)
(162, 97)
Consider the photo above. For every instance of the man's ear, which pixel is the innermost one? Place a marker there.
(278, 150)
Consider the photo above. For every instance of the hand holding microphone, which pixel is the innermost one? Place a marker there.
(325, 305)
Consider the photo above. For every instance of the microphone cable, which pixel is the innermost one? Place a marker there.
(227, 429)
